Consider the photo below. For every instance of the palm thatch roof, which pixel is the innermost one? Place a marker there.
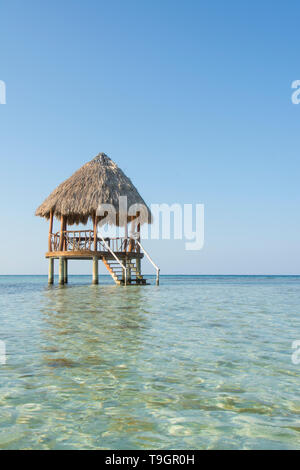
(98, 182)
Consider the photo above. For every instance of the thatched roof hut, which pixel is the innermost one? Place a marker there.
(99, 181)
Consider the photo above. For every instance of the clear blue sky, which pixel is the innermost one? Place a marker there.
(192, 99)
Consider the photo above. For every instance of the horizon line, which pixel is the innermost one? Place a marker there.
(162, 275)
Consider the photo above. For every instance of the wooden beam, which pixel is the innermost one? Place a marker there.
(126, 236)
(131, 243)
(138, 249)
(51, 271)
(50, 230)
(95, 232)
(61, 271)
(89, 254)
(65, 229)
(95, 270)
(65, 271)
(139, 229)
(61, 240)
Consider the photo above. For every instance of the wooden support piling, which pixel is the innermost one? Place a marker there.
(61, 271)
(128, 272)
(65, 271)
(51, 271)
(95, 270)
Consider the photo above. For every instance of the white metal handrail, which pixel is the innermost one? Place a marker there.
(151, 261)
(116, 258)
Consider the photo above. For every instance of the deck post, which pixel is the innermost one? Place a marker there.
(126, 236)
(95, 270)
(65, 235)
(138, 266)
(138, 250)
(51, 271)
(61, 271)
(65, 271)
(50, 231)
(128, 271)
(95, 232)
(124, 278)
(62, 228)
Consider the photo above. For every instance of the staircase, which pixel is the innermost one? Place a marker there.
(126, 271)
(135, 277)
(117, 272)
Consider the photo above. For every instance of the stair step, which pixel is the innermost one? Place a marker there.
(117, 273)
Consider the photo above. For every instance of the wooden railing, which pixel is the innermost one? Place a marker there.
(83, 240)
(78, 240)
(54, 241)
(151, 261)
(118, 245)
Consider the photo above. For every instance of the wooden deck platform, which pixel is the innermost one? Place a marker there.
(121, 255)
(90, 254)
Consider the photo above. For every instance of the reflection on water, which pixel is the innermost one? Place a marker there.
(200, 362)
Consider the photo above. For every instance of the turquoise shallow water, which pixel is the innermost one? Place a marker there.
(196, 363)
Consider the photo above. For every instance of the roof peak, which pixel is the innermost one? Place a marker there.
(101, 158)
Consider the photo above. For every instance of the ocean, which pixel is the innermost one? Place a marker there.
(200, 362)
